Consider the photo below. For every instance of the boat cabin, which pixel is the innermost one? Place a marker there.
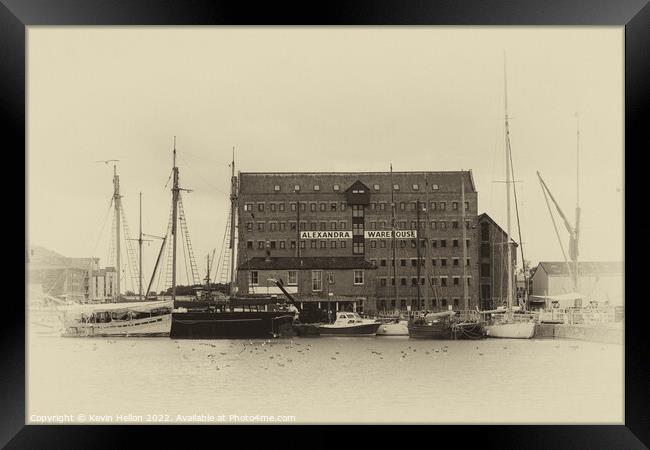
(348, 317)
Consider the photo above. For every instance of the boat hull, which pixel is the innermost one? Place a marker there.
(430, 331)
(230, 325)
(393, 329)
(516, 330)
(366, 329)
(469, 331)
(146, 327)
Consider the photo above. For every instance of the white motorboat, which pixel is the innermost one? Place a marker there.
(117, 319)
(349, 324)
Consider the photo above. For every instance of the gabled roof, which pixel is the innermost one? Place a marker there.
(485, 216)
(358, 185)
(584, 268)
(306, 263)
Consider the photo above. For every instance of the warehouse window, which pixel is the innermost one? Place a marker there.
(357, 248)
(323, 207)
(323, 226)
(303, 207)
(313, 244)
(443, 281)
(293, 206)
(467, 243)
(434, 243)
(260, 207)
(467, 224)
(414, 262)
(248, 207)
(260, 245)
(296, 187)
(467, 262)
(282, 226)
(343, 225)
(281, 206)
(312, 206)
(443, 262)
(336, 187)
(382, 262)
(343, 244)
(343, 205)
(249, 244)
(402, 281)
(382, 283)
(375, 187)
(455, 260)
(416, 187)
(382, 206)
(373, 262)
(373, 244)
(454, 206)
(260, 226)
(303, 244)
(485, 250)
(253, 279)
(273, 226)
(312, 226)
(316, 280)
(272, 244)
(316, 187)
(283, 244)
(432, 206)
(443, 206)
(357, 229)
(455, 242)
(332, 225)
(357, 210)
(466, 206)
(396, 187)
(303, 225)
(443, 243)
(293, 244)
(323, 244)
(273, 206)
(402, 206)
(330, 277)
(358, 277)
(433, 262)
(434, 187)
(456, 302)
(292, 277)
(332, 206)
(434, 281)
(249, 226)
(333, 244)
(276, 188)
(485, 270)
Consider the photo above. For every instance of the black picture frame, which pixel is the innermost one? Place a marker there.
(16, 15)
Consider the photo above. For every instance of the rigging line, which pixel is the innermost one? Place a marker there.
(105, 221)
(184, 245)
(514, 189)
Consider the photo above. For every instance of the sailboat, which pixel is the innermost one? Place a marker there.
(118, 318)
(505, 323)
(210, 319)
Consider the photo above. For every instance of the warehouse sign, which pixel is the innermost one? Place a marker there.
(388, 234)
(326, 235)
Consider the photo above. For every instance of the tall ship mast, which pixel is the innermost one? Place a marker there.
(507, 324)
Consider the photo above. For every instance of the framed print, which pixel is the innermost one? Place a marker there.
(371, 214)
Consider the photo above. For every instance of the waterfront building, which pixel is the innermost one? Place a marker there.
(493, 264)
(288, 219)
(77, 279)
(598, 281)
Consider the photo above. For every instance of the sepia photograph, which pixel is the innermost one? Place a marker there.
(325, 225)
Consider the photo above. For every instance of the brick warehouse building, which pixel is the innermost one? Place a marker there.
(327, 236)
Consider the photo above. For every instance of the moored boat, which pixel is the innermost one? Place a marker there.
(431, 326)
(117, 319)
(394, 327)
(349, 324)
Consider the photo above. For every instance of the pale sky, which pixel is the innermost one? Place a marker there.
(319, 99)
